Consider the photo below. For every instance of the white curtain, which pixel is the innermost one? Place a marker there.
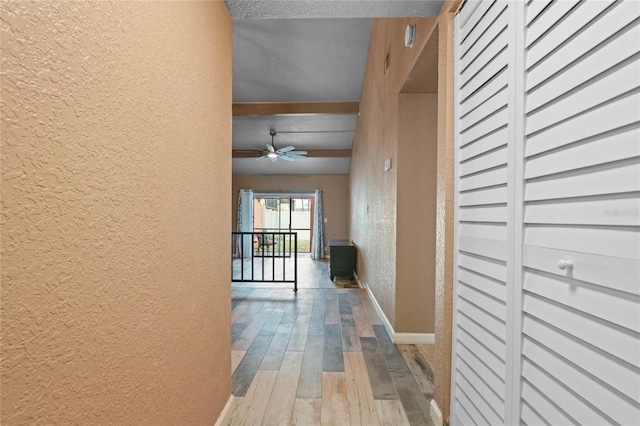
(244, 245)
(317, 246)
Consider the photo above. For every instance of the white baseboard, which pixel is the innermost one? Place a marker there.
(225, 416)
(400, 338)
(357, 278)
(414, 338)
(385, 320)
(436, 414)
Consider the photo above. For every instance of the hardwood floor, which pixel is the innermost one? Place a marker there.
(321, 356)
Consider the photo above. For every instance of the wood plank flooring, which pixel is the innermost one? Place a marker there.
(321, 356)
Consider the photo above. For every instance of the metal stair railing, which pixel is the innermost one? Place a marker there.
(256, 257)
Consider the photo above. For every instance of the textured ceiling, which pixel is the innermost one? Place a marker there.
(304, 51)
(309, 131)
(306, 166)
(296, 60)
(273, 9)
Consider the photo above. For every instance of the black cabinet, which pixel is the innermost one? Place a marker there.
(343, 259)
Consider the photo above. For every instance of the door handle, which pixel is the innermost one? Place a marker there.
(565, 264)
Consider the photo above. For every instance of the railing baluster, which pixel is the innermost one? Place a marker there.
(285, 246)
(242, 257)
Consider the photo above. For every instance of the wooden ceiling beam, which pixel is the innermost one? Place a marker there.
(273, 108)
(314, 153)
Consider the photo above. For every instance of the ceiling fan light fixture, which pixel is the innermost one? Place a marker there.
(287, 153)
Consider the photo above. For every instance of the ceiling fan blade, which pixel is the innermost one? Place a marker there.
(298, 153)
(274, 159)
(286, 149)
(286, 157)
(260, 158)
(270, 148)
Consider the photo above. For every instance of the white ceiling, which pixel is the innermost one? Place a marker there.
(303, 51)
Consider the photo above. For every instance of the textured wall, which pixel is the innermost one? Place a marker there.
(444, 206)
(416, 227)
(335, 196)
(374, 191)
(115, 212)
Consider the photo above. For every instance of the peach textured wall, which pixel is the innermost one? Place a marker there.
(115, 212)
(335, 196)
(373, 191)
(416, 227)
(444, 206)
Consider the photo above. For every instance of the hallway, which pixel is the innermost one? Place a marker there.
(321, 357)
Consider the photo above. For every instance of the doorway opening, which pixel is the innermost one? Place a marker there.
(285, 213)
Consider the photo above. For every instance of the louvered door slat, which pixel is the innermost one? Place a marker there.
(616, 307)
(612, 178)
(591, 358)
(489, 231)
(487, 160)
(488, 108)
(494, 195)
(475, 26)
(549, 17)
(611, 211)
(491, 287)
(472, 347)
(466, 12)
(534, 403)
(619, 82)
(484, 145)
(577, 412)
(480, 358)
(616, 342)
(580, 17)
(486, 127)
(493, 177)
(616, 146)
(483, 265)
(486, 406)
(484, 308)
(607, 118)
(591, 396)
(491, 88)
(469, 413)
(594, 36)
(475, 374)
(490, 69)
(618, 242)
(496, 46)
(482, 55)
(494, 28)
(535, 9)
(490, 340)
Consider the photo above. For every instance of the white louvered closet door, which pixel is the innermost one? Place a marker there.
(581, 325)
(547, 278)
(479, 371)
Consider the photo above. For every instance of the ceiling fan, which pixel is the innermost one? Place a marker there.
(286, 153)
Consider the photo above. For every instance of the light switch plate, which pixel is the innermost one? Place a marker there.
(387, 164)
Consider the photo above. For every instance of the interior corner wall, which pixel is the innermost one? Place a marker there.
(416, 212)
(115, 212)
(335, 196)
(373, 191)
